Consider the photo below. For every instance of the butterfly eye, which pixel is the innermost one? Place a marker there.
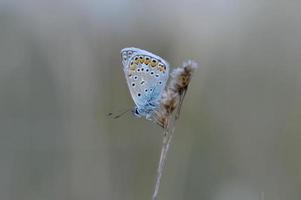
(157, 75)
(139, 94)
(136, 112)
(141, 59)
(135, 77)
(147, 60)
(154, 62)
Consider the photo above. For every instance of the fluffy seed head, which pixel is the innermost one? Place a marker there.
(173, 94)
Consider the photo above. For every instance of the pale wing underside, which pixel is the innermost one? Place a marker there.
(146, 75)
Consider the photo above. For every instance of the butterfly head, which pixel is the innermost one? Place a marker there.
(136, 112)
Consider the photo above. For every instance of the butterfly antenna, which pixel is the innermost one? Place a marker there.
(118, 115)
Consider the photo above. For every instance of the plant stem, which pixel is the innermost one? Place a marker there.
(168, 133)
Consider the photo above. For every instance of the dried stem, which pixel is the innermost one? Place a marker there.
(172, 100)
(168, 133)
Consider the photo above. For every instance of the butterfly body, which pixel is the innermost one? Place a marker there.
(146, 75)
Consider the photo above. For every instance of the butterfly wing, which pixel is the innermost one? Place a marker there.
(127, 53)
(146, 75)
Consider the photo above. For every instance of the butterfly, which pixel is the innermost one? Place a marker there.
(146, 76)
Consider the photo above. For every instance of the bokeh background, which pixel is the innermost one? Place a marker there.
(239, 133)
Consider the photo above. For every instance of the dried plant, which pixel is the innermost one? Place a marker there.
(165, 116)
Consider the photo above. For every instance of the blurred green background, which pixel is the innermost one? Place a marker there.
(239, 133)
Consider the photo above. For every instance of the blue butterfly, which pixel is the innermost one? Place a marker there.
(146, 75)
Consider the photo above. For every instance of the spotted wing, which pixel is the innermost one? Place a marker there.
(146, 76)
(127, 53)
